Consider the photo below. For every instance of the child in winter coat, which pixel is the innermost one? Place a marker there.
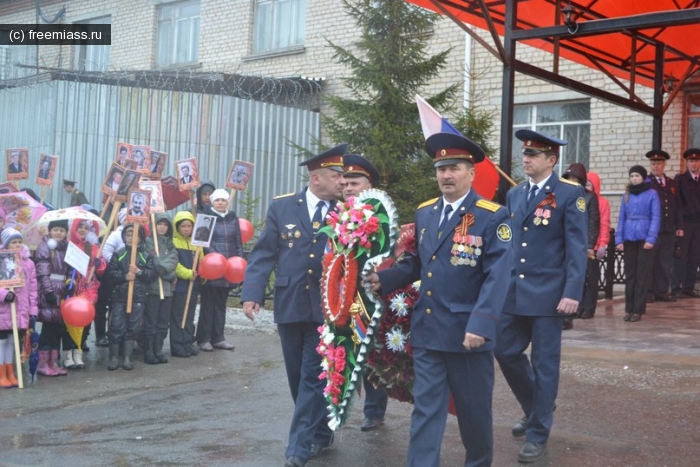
(125, 327)
(182, 340)
(51, 280)
(158, 310)
(25, 302)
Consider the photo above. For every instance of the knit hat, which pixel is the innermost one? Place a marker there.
(219, 194)
(121, 216)
(62, 223)
(8, 235)
(638, 169)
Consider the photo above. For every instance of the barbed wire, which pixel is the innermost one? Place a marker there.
(300, 91)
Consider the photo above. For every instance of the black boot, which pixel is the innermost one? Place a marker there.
(128, 350)
(148, 354)
(113, 356)
(158, 349)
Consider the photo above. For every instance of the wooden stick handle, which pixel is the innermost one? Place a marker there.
(155, 242)
(197, 252)
(132, 262)
(15, 336)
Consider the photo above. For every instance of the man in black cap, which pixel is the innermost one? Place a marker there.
(359, 175)
(291, 245)
(76, 196)
(548, 215)
(671, 226)
(688, 184)
(463, 260)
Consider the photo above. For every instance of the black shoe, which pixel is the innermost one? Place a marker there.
(295, 461)
(179, 354)
(519, 428)
(687, 293)
(635, 317)
(102, 341)
(85, 347)
(650, 298)
(316, 449)
(532, 452)
(371, 424)
(587, 315)
(664, 298)
(627, 317)
(568, 324)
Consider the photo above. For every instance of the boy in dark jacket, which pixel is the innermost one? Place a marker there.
(158, 310)
(125, 327)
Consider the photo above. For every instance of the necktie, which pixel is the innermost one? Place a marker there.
(695, 177)
(661, 181)
(317, 220)
(531, 194)
(445, 217)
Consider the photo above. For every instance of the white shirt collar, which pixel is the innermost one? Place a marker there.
(454, 205)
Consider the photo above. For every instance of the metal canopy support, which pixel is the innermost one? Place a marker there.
(658, 116)
(507, 98)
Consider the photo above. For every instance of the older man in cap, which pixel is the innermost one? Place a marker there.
(291, 245)
(463, 260)
(671, 226)
(76, 196)
(688, 184)
(359, 175)
(548, 216)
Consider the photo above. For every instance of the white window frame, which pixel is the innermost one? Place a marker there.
(279, 25)
(173, 30)
(11, 56)
(92, 57)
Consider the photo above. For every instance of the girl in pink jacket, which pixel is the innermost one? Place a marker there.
(25, 299)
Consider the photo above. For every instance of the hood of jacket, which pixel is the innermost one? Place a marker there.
(576, 171)
(163, 217)
(142, 233)
(179, 217)
(595, 181)
(206, 184)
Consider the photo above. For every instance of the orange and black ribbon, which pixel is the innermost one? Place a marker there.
(462, 229)
(549, 200)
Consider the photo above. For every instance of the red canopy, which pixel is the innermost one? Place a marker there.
(627, 52)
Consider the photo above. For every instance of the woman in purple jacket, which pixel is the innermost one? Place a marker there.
(637, 229)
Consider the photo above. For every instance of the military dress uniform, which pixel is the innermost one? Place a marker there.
(77, 197)
(463, 272)
(671, 221)
(549, 263)
(291, 245)
(689, 260)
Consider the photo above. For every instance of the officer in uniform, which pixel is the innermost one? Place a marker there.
(76, 196)
(688, 184)
(548, 215)
(291, 245)
(359, 175)
(463, 260)
(671, 226)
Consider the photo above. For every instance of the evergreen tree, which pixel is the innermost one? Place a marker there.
(380, 118)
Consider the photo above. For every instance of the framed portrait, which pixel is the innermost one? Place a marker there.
(130, 180)
(47, 169)
(123, 153)
(8, 187)
(187, 174)
(11, 269)
(239, 175)
(17, 163)
(130, 164)
(114, 177)
(158, 160)
(156, 201)
(203, 230)
(142, 156)
(138, 206)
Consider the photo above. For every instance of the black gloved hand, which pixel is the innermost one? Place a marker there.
(32, 322)
(10, 297)
(51, 298)
(97, 263)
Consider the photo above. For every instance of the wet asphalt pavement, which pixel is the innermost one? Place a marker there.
(629, 396)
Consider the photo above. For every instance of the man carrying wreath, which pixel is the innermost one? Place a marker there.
(463, 260)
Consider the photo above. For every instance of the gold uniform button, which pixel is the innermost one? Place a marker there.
(311, 255)
(522, 260)
(313, 241)
(430, 274)
(429, 293)
(307, 287)
(522, 276)
(524, 244)
(428, 311)
(525, 229)
(433, 257)
(311, 271)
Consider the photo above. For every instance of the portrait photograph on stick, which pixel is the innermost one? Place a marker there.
(10, 269)
(47, 169)
(17, 163)
(239, 175)
(139, 206)
(115, 174)
(156, 201)
(203, 230)
(123, 153)
(130, 180)
(142, 156)
(187, 174)
(158, 160)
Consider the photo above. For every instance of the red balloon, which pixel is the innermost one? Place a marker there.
(213, 266)
(247, 230)
(77, 311)
(235, 269)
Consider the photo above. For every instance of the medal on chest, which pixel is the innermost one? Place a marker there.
(543, 211)
(466, 248)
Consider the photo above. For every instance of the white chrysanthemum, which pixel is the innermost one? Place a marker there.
(396, 340)
(398, 304)
(324, 364)
(328, 338)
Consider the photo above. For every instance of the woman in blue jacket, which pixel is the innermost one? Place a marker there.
(637, 229)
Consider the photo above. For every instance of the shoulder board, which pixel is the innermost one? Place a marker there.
(488, 205)
(286, 195)
(429, 202)
(565, 180)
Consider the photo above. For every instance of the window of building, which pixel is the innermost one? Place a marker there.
(564, 120)
(178, 34)
(92, 57)
(279, 24)
(17, 61)
(693, 119)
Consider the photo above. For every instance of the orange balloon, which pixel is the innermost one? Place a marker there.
(77, 311)
(213, 266)
(235, 269)
(247, 230)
